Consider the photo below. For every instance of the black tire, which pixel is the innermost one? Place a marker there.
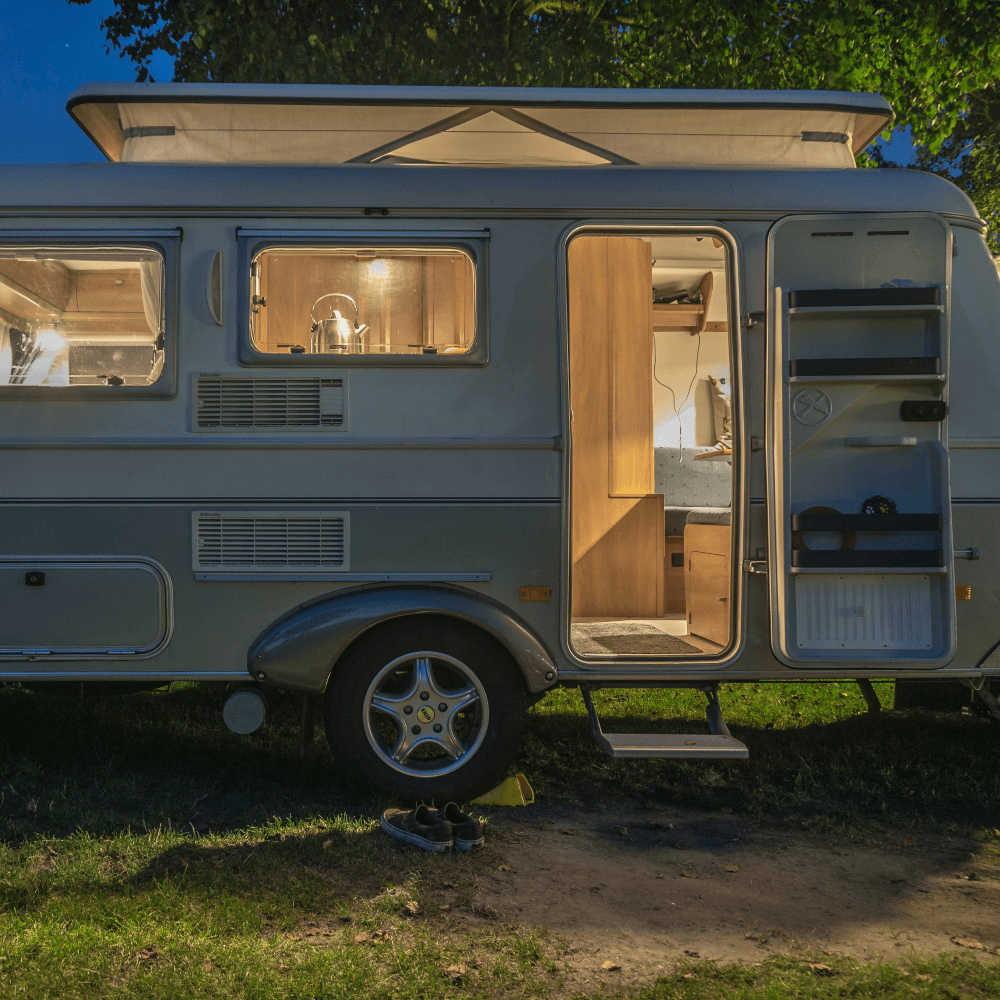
(472, 749)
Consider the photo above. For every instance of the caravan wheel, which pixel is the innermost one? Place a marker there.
(426, 709)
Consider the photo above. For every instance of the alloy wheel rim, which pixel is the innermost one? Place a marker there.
(425, 714)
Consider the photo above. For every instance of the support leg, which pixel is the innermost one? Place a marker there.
(874, 705)
(713, 712)
(986, 697)
(306, 732)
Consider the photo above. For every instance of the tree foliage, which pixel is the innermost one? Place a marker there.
(970, 157)
(936, 61)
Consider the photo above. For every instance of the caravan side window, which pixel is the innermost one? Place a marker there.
(338, 301)
(73, 316)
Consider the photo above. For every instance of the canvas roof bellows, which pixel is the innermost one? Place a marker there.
(476, 126)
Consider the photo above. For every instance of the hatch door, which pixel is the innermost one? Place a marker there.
(860, 557)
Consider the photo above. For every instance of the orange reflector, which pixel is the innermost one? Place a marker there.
(961, 594)
(536, 593)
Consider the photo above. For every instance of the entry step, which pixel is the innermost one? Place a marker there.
(693, 747)
(687, 746)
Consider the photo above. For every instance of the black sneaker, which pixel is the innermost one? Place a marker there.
(466, 830)
(420, 827)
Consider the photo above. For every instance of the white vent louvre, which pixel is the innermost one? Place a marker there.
(269, 402)
(249, 541)
(861, 611)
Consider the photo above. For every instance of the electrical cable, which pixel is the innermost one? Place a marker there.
(673, 395)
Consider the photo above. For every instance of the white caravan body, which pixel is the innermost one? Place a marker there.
(228, 511)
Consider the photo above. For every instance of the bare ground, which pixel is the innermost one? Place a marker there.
(644, 888)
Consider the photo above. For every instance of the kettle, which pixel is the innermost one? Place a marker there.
(336, 334)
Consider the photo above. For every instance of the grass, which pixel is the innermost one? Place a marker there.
(816, 757)
(146, 851)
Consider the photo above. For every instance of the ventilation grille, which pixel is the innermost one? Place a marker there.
(273, 541)
(270, 402)
(861, 611)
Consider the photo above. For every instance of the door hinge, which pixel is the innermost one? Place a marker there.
(752, 319)
(755, 566)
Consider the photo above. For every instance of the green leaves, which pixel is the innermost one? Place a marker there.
(936, 61)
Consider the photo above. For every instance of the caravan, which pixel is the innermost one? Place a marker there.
(419, 402)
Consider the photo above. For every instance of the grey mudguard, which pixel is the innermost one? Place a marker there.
(300, 649)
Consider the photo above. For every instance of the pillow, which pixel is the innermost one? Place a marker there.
(722, 408)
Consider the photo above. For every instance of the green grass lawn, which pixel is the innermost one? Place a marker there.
(146, 851)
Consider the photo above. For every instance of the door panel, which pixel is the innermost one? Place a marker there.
(708, 596)
(618, 523)
(860, 560)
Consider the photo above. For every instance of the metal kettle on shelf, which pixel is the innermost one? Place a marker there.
(336, 334)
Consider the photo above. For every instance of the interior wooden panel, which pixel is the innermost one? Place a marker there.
(673, 576)
(106, 301)
(80, 301)
(630, 353)
(617, 542)
(621, 575)
(707, 580)
(34, 290)
(417, 301)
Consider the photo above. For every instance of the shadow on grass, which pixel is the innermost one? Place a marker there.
(164, 760)
(899, 769)
(158, 759)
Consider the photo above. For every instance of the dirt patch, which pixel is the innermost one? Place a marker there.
(642, 889)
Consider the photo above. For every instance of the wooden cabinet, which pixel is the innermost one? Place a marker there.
(674, 600)
(707, 580)
(618, 522)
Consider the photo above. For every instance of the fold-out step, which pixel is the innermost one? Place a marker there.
(693, 747)
(689, 746)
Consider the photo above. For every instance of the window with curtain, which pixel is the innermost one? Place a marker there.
(73, 316)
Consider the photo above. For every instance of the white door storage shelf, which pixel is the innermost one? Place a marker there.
(860, 506)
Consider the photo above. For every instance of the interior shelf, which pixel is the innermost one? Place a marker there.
(866, 298)
(866, 522)
(854, 367)
(912, 379)
(868, 558)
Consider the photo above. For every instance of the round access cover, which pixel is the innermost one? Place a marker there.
(244, 711)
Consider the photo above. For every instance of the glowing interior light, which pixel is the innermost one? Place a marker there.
(378, 268)
(49, 340)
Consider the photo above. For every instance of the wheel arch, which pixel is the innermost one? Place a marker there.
(300, 650)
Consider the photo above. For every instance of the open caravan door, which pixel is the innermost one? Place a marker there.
(860, 559)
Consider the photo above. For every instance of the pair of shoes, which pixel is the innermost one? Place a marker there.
(467, 830)
(434, 830)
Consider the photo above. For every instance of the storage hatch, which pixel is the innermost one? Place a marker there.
(61, 605)
(860, 559)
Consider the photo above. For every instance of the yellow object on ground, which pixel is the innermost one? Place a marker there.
(513, 791)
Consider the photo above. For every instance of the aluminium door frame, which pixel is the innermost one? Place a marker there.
(676, 667)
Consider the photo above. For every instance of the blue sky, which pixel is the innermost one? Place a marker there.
(47, 49)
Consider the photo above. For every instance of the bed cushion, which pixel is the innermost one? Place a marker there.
(709, 515)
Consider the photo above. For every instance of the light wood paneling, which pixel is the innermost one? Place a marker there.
(708, 581)
(621, 575)
(674, 601)
(617, 541)
(630, 352)
(105, 302)
(404, 300)
(91, 302)
(35, 290)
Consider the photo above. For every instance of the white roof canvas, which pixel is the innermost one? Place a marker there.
(486, 126)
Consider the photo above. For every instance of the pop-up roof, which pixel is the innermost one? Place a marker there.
(476, 126)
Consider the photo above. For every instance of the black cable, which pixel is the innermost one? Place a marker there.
(673, 395)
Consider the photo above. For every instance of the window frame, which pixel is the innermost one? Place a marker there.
(165, 243)
(475, 244)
